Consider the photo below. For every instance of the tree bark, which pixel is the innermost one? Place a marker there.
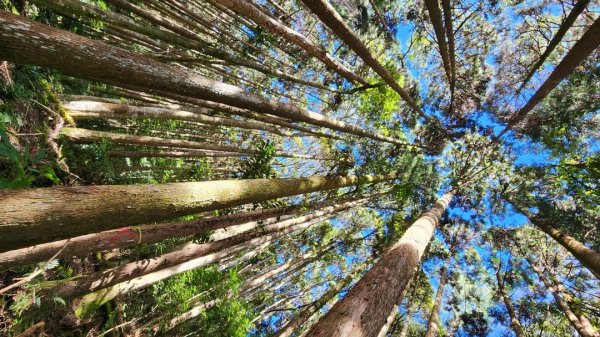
(30, 42)
(389, 323)
(297, 322)
(560, 33)
(433, 324)
(70, 8)
(174, 154)
(582, 329)
(364, 309)
(514, 320)
(149, 234)
(435, 15)
(586, 256)
(330, 17)
(38, 215)
(247, 9)
(103, 286)
(577, 54)
(90, 109)
(85, 136)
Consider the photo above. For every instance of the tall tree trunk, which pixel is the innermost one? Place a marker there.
(514, 320)
(90, 109)
(298, 321)
(149, 234)
(586, 256)
(578, 53)
(582, 329)
(447, 9)
(392, 316)
(330, 17)
(174, 154)
(30, 42)
(435, 15)
(433, 324)
(103, 286)
(38, 215)
(85, 136)
(73, 8)
(560, 33)
(247, 9)
(364, 309)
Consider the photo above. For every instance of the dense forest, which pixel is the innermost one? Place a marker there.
(312, 168)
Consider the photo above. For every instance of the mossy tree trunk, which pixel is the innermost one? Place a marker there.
(39, 215)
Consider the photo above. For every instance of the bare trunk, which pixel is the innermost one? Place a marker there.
(334, 21)
(89, 109)
(582, 329)
(586, 256)
(578, 53)
(560, 33)
(514, 320)
(103, 286)
(433, 324)
(247, 9)
(30, 42)
(435, 15)
(71, 8)
(174, 154)
(392, 316)
(38, 215)
(84, 136)
(364, 309)
(297, 322)
(149, 234)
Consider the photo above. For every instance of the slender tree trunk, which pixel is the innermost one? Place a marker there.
(334, 21)
(582, 329)
(247, 9)
(447, 8)
(405, 326)
(149, 234)
(297, 322)
(580, 5)
(38, 215)
(435, 15)
(71, 8)
(30, 42)
(364, 309)
(433, 324)
(103, 286)
(586, 256)
(392, 316)
(89, 109)
(514, 320)
(85, 136)
(174, 154)
(381, 19)
(226, 109)
(578, 53)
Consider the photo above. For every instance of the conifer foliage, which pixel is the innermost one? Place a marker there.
(322, 168)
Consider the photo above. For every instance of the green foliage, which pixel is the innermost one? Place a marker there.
(229, 317)
(260, 165)
(20, 169)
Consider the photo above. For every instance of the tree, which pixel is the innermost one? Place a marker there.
(363, 311)
(129, 205)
